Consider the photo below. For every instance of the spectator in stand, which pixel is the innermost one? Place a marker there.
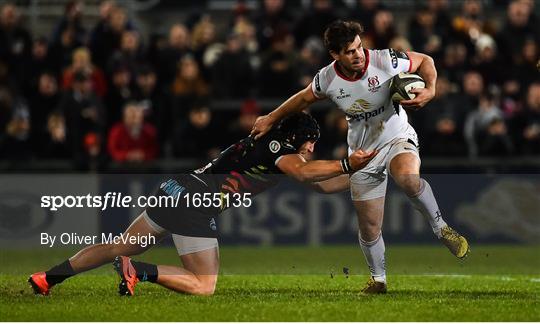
(102, 26)
(107, 37)
(365, 11)
(85, 122)
(120, 93)
(6, 107)
(43, 100)
(443, 22)
(438, 124)
(423, 33)
(53, 144)
(311, 60)
(232, 75)
(247, 33)
(130, 53)
(156, 104)
(15, 43)
(486, 131)
(384, 29)
(469, 99)
(470, 24)
(516, 30)
(82, 61)
(16, 143)
(272, 18)
(400, 43)
(133, 139)
(178, 46)
(241, 127)
(39, 63)
(455, 62)
(315, 21)
(525, 70)
(526, 124)
(197, 126)
(61, 52)
(148, 94)
(279, 73)
(203, 37)
(486, 60)
(72, 19)
(188, 86)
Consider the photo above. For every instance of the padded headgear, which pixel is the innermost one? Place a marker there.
(299, 128)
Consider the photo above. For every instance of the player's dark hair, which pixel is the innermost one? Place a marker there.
(339, 34)
(299, 128)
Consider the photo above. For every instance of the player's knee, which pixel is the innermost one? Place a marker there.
(204, 288)
(410, 184)
(369, 231)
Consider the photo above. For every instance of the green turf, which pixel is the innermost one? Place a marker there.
(497, 283)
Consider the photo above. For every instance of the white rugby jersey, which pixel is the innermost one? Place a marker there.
(373, 119)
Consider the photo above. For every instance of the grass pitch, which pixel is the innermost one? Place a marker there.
(426, 283)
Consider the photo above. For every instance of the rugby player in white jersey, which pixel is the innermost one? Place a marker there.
(357, 81)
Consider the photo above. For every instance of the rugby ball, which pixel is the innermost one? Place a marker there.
(402, 83)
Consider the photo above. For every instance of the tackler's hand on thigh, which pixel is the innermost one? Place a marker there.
(359, 159)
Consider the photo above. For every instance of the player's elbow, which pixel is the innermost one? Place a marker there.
(428, 60)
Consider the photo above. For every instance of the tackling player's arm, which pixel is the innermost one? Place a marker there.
(296, 166)
(298, 102)
(333, 185)
(425, 66)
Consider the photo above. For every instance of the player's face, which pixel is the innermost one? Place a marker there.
(352, 57)
(306, 148)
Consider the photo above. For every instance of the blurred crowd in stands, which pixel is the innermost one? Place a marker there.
(95, 94)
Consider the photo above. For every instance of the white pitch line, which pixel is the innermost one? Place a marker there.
(452, 275)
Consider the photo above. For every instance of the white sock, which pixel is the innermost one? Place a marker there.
(426, 204)
(374, 253)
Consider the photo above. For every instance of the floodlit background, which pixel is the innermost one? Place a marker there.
(195, 74)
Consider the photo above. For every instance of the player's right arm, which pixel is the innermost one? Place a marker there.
(298, 102)
(333, 185)
(295, 166)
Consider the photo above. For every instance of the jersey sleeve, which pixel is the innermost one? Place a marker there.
(394, 61)
(320, 83)
(274, 149)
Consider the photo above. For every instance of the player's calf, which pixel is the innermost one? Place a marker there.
(424, 201)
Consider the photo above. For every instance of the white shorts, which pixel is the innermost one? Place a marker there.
(370, 182)
(184, 244)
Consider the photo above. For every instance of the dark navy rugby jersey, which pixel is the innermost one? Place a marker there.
(247, 166)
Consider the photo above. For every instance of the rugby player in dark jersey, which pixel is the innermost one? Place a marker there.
(246, 167)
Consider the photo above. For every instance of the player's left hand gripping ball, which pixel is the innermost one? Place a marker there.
(423, 96)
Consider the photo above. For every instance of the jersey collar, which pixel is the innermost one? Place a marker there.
(362, 73)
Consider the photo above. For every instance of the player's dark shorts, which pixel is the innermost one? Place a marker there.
(181, 219)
